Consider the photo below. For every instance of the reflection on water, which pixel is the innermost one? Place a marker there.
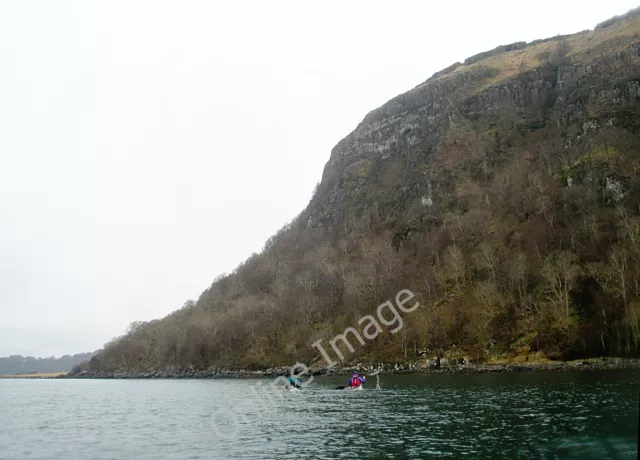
(533, 415)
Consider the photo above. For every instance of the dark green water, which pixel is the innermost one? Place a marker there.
(529, 415)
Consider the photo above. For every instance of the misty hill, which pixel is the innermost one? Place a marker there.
(503, 191)
(17, 364)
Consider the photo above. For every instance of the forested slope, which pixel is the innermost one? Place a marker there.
(503, 191)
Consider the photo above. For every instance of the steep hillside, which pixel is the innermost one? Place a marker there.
(503, 192)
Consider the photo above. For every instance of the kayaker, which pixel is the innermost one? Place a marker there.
(355, 380)
(295, 381)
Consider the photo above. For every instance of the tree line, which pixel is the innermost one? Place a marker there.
(17, 364)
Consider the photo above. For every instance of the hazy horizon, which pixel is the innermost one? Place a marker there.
(150, 147)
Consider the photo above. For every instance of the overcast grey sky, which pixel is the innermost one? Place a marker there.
(148, 146)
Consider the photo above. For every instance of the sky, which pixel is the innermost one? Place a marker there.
(148, 146)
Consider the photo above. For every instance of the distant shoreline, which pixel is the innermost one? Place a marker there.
(579, 365)
(36, 375)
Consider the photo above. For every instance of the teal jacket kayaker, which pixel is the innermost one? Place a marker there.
(295, 382)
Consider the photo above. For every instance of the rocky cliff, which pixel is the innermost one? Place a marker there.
(484, 110)
(502, 191)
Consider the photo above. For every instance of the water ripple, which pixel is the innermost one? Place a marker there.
(550, 415)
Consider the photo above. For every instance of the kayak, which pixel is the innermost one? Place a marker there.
(346, 387)
(360, 388)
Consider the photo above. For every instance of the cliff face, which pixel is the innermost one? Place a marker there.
(571, 88)
(502, 191)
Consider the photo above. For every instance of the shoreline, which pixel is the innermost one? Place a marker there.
(602, 364)
(33, 376)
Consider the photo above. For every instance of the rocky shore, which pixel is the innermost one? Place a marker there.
(448, 368)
